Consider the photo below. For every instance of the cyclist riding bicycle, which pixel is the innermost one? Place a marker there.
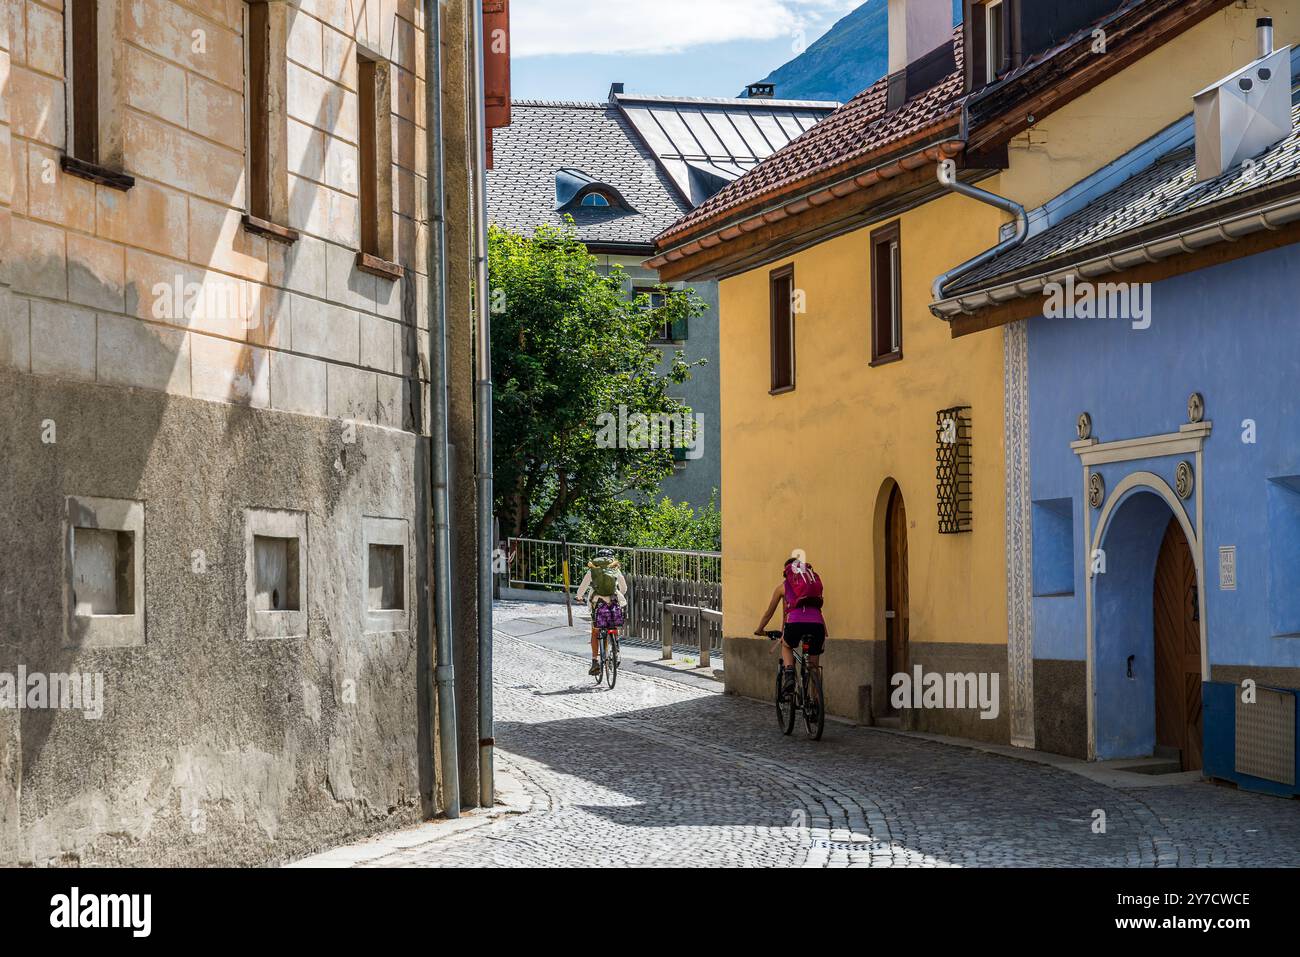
(605, 585)
(800, 597)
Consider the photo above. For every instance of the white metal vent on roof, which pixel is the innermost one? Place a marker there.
(1246, 113)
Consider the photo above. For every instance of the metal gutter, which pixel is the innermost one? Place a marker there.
(1198, 236)
(947, 173)
(483, 422)
(439, 432)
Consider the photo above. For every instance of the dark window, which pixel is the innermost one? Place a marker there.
(995, 48)
(669, 330)
(85, 81)
(886, 294)
(782, 310)
(375, 168)
(368, 175)
(596, 199)
(259, 111)
(993, 40)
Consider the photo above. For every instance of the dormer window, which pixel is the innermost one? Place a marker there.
(995, 47)
(575, 189)
(993, 40)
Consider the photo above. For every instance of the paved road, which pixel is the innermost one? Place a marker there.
(662, 772)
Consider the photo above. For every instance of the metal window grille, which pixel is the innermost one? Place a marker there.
(953, 469)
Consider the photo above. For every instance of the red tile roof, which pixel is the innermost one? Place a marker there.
(855, 132)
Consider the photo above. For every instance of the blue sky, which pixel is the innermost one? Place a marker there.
(574, 49)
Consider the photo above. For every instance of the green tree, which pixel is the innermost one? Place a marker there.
(568, 346)
(651, 524)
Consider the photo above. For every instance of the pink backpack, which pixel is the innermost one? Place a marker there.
(803, 586)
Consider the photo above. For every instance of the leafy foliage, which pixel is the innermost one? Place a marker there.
(569, 344)
(662, 524)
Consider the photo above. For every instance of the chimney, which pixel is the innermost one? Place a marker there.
(496, 63)
(915, 28)
(615, 89)
(1246, 113)
(760, 91)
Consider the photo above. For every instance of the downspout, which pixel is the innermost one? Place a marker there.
(483, 422)
(445, 671)
(947, 172)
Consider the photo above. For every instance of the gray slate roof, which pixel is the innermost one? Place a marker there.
(1165, 190)
(545, 137)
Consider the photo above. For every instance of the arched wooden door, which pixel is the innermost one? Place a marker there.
(1178, 649)
(896, 605)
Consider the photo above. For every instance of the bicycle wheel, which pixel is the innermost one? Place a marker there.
(785, 705)
(611, 661)
(604, 641)
(814, 704)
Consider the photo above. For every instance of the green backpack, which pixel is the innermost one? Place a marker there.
(604, 577)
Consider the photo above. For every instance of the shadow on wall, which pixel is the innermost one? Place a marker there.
(197, 720)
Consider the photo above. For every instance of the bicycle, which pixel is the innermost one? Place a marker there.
(807, 696)
(609, 656)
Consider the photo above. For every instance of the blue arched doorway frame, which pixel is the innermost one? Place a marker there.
(1130, 527)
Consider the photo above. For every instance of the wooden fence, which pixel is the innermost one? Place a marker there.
(646, 598)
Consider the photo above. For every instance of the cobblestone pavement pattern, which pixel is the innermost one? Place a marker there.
(656, 772)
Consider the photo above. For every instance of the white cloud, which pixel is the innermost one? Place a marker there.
(540, 27)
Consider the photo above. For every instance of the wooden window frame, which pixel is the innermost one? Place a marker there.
(375, 166)
(781, 274)
(978, 74)
(94, 84)
(266, 121)
(992, 70)
(887, 237)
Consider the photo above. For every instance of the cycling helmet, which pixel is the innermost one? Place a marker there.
(604, 553)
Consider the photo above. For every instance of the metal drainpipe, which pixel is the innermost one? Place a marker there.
(438, 405)
(483, 425)
(948, 177)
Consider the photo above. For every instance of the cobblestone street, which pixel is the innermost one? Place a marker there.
(662, 772)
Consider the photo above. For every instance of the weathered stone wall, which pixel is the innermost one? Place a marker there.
(212, 747)
(201, 368)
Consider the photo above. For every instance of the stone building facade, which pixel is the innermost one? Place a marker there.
(213, 366)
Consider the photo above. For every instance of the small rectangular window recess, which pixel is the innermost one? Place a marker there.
(103, 573)
(387, 574)
(275, 573)
(781, 307)
(1053, 547)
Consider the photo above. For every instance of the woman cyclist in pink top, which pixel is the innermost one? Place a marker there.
(801, 622)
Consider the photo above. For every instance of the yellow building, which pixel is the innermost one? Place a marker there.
(857, 426)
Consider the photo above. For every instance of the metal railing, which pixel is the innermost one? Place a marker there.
(656, 577)
(538, 563)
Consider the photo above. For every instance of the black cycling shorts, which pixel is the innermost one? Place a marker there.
(810, 633)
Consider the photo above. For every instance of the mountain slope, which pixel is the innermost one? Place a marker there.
(851, 56)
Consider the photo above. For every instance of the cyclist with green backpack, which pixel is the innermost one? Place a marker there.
(605, 585)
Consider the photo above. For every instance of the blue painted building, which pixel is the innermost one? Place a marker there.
(1153, 432)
